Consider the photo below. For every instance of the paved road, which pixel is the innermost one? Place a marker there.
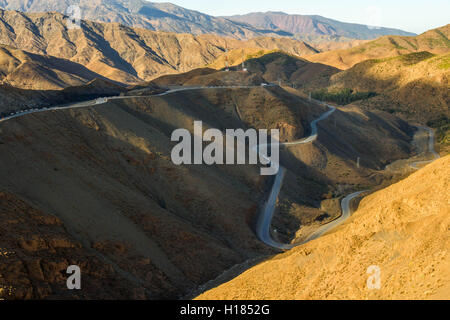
(265, 218)
(104, 100)
(83, 104)
(346, 213)
(314, 131)
(416, 165)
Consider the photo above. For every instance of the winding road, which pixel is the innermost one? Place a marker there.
(267, 212)
(346, 213)
(100, 101)
(265, 219)
(416, 165)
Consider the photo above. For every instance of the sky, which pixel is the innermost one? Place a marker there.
(410, 15)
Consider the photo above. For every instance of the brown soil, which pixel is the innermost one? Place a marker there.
(434, 41)
(404, 230)
(106, 174)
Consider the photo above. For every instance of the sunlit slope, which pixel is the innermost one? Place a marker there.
(280, 67)
(434, 41)
(403, 229)
(416, 84)
(123, 53)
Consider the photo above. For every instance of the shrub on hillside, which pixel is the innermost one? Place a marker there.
(342, 97)
(442, 126)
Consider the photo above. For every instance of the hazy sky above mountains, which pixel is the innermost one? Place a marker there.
(409, 15)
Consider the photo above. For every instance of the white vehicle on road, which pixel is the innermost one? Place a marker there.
(101, 100)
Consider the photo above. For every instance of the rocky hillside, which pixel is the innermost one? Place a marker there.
(403, 230)
(172, 18)
(121, 53)
(434, 41)
(275, 66)
(105, 176)
(27, 70)
(36, 250)
(144, 14)
(15, 99)
(106, 173)
(314, 27)
(415, 84)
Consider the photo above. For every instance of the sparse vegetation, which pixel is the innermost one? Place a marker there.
(414, 58)
(441, 40)
(444, 62)
(396, 45)
(412, 44)
(408, 59)
(442, 126)
(444, 40)
(434, 41)
(259, 54)
(342, 97)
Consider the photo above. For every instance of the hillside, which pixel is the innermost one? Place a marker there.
(106, 173)
(275, 66)
(172, 18)
(144, 14)
(209, 77)
(37, 248)
(435, 41)
(326, 44)
(26, 70)
(105, 176)
(402, 229)
(15, 99)
(414, 86)
(312, 26)
(121, 53)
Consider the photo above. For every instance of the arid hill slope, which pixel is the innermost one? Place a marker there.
(404, 230)
(327, 45)
(434, 41)
(105, 172)
(15, 99)
(122, 53)
(172, 18)
(144, 14)
(312, 26)
(415, 84)
(26, 70)
(289, 69)
(36, 250)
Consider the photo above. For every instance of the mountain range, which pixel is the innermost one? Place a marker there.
(114, 51)
(172, 18)
(89, 180)
(96, 187)
(435, 41)
(313, 26)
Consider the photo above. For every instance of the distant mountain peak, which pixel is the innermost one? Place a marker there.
(165, 16)
(303, 26)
